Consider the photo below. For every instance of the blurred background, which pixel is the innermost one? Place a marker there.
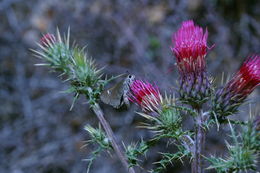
(39, 134)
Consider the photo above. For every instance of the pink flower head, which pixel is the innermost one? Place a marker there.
(146, 95)
(48, 39)
(190, 47)
(233, 94)
(247, 78)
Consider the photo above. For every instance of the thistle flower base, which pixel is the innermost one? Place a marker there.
(195, 89)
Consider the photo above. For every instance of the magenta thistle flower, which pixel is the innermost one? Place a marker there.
(190, 48)
(247, 78)
(146, 95)
(233, 94)
(47, 40)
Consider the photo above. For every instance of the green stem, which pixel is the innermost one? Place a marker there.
(197, 164)
(96, 108)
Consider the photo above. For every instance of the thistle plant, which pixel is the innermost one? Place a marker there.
(163, 114)
(190, 48)
(75, 66)
(163, 119)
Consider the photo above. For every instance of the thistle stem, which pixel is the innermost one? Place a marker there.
(99, 113)
(199, 147)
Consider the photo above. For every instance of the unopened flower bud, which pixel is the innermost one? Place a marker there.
(48, 39)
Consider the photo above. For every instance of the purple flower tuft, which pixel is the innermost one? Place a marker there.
(146, 95)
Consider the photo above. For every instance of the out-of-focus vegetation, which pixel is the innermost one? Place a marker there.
(38, 133)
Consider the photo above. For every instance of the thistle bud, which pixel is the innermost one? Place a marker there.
(56, 52)
(146, 95)
(47, 40)
(190, 48)
(233, 94)
(74, 65)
